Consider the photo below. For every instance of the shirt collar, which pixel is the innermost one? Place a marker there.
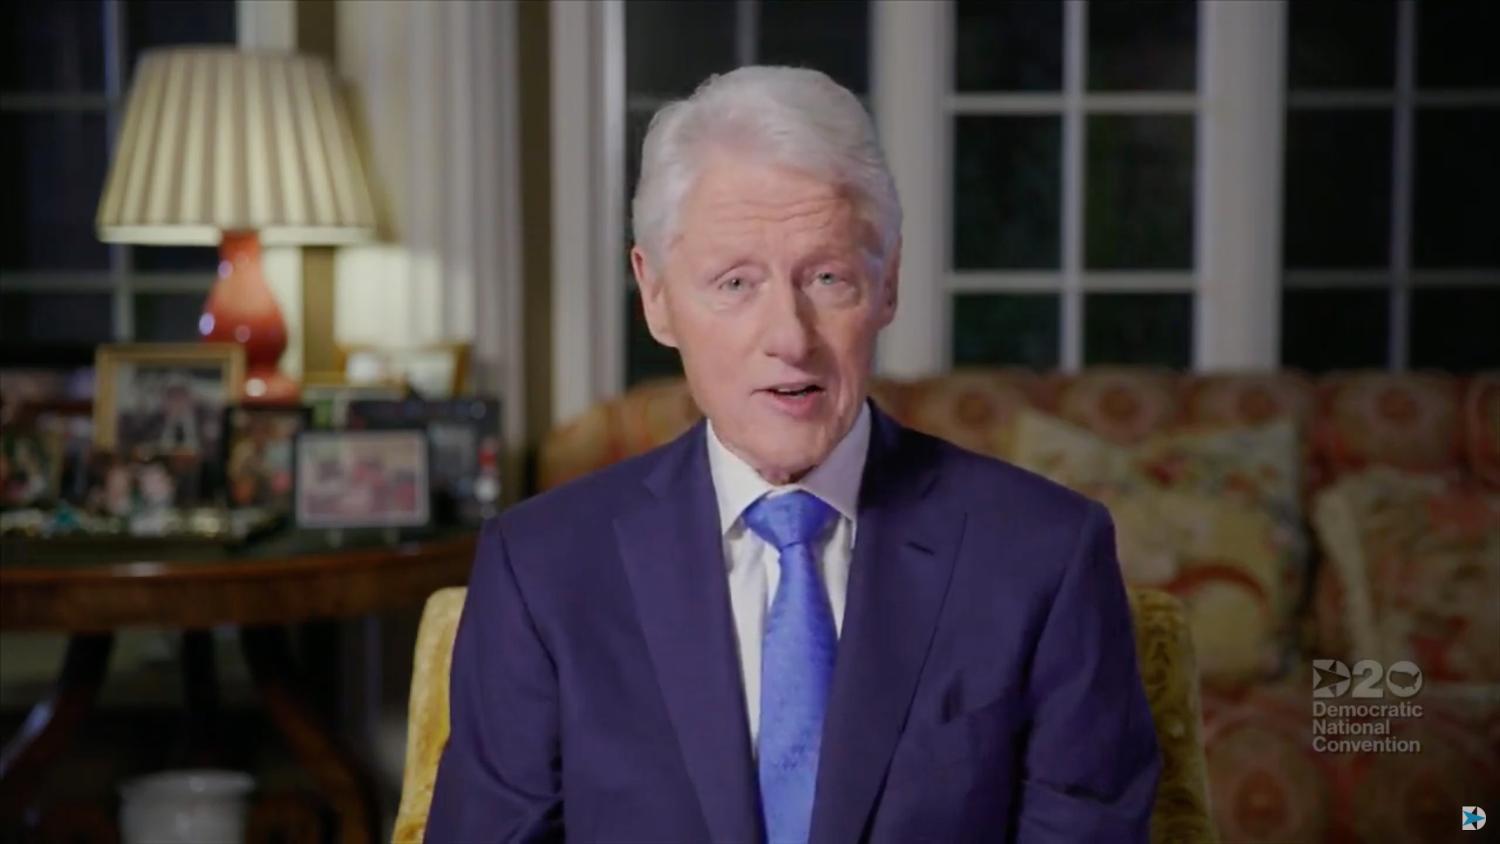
(836, 480)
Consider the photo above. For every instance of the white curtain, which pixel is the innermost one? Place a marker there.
(434, 85)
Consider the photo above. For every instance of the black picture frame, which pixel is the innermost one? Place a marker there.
(466, 446)
(259, 455)
(362, 479)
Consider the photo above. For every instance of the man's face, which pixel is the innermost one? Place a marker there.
(770, 293)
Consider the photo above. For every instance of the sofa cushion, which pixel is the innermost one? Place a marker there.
(975, 409)
(1409, 421)
(1123, 405)
(1482, 427)
(1416, 560)
(1211, 516)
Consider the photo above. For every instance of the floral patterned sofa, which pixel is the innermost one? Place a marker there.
(1355, 516)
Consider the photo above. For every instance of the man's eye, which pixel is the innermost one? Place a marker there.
(826, 278)
(733, 284)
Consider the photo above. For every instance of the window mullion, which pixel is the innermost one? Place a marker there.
(1075, 68)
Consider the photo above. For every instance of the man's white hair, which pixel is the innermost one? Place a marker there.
(789, 116)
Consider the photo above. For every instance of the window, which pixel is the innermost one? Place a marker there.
(66, 72)
(1391, 186)
(1072, 182)
(671, 46)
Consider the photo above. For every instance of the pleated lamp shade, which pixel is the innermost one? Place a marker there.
(222, 140)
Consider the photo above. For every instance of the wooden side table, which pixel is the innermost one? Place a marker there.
(89, 592)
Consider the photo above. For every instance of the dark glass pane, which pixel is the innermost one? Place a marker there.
(56, 317)
(829, 35)
(1006, 329)
(644, 357)
(1138, 202)
(671, 46)
(1455, 328)
(1457, 213)
(1341, 44)
(1456, 44)
(1143, 45)
(54, 47)
(1323, 330)
(1012, 46)
(53, 173)
(167, 23)
(167, 317)
(197, 259)
(1007, 187)
(1146, 329)
(1337, 200)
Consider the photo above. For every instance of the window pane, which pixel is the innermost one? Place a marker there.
(1007, 183)
(1456, 44)
(1138, 204)
(1014, 46)
(166, 23)
(644, 357)
(1323, 330)
(1457, 212)
(195, 259)
(1006, 329)
(56, 317)
(1337, 202)
(1143, 45)
(1150, 329)
(54, 47)
(53, 175)
(167, 317)
(833, 37)
(1341, 44)
(1455, 328)
(671, 46)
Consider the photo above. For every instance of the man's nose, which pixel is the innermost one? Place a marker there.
(787, 329)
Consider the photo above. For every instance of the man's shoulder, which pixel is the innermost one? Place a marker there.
(983, 484)
(594, 499)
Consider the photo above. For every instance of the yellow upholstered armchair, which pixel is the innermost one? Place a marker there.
(1162, 643)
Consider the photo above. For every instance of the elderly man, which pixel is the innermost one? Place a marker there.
(799, 621)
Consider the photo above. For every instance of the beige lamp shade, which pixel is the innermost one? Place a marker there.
(218, 140)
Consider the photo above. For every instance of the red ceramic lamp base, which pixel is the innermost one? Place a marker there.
(241, 309)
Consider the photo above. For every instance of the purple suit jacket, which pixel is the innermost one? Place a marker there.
(986, 686)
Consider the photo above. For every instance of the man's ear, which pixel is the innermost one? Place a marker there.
(652, 282)
(886, 305)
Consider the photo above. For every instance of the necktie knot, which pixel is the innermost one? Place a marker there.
(796, 518)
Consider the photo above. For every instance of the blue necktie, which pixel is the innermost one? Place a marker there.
(796, 663)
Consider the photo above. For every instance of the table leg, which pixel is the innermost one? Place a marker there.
(200, 685)
(334, 770)
(48, 727)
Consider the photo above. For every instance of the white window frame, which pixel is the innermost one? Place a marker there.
(1398, 276)
(1236, 273)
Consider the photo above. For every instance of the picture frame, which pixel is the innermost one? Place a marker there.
(465, 442)
(31, 464)
(362, 479)
(328, 396)
(433, 371)
(259, 452)
(71, 425)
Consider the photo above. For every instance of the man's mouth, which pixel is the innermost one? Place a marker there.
(794, 390)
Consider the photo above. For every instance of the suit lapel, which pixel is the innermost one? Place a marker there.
(674, 558)
(903, 559)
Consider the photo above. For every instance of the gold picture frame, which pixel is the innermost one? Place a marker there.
(118, 383)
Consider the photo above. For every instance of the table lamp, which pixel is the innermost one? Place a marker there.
(237, 148)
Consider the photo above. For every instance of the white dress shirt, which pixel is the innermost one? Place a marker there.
(754, 565)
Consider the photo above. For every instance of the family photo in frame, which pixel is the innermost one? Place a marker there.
(162, 405)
